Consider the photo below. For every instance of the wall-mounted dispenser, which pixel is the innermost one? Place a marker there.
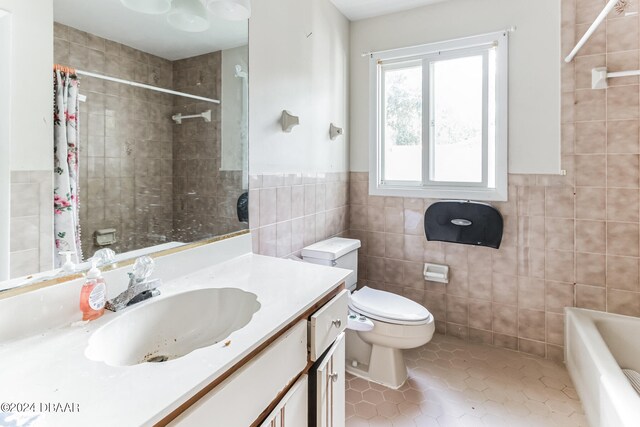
(436, 273)
(334, 131)
(288, 121)
(465, 222)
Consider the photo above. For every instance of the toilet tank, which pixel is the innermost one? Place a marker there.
(336, 252)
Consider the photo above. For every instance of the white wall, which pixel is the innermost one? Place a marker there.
(534, 67)
(5, 137)
(298, 61)
(232, 107)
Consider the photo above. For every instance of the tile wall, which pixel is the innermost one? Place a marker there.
(569, 240)
(290, 211)
(204, 199)
(31, 245)
(151, 179)
(125, 141)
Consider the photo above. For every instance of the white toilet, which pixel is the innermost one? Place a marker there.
(381, 324)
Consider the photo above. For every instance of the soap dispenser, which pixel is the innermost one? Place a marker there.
(93, 294)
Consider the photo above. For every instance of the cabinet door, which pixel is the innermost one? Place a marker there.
(330, 385)
(293, 409)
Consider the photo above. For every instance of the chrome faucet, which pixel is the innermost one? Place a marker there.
(140, 287)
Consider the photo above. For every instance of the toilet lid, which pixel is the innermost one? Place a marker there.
(388, 307)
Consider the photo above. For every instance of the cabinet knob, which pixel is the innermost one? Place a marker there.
(334, 377)
(337, 323)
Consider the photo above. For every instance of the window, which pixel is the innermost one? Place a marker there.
(439, 120)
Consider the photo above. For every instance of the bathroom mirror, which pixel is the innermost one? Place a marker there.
(149, 141)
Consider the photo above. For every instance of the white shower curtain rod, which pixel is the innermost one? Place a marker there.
(144, 86)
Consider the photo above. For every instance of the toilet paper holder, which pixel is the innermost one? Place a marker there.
(436, 273)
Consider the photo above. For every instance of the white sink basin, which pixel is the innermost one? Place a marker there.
(172, 327)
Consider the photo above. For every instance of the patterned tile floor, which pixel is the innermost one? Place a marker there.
(456, 383)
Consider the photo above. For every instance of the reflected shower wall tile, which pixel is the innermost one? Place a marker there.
(25, 199)
(25, 234)
(24, 263)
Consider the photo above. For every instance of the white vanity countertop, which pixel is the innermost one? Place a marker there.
(52, 368)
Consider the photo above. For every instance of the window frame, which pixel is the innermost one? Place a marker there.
(426, 54)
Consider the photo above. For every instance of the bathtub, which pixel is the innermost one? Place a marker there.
(597, 346)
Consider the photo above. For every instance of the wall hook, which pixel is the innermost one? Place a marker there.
(334, 131)
(288, 121)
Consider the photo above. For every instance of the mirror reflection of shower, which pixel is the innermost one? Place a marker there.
(160, 157)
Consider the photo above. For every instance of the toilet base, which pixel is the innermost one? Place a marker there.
(386, 367)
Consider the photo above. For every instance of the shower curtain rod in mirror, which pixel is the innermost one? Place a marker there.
(130, 83)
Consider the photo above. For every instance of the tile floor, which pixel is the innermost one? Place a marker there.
(457, 383)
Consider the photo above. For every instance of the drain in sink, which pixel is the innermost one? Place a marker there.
(157, 359)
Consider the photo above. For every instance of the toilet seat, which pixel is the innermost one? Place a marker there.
(389, 308)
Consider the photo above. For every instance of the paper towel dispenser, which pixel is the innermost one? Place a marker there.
(464, 222)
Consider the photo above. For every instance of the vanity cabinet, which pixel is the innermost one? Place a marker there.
(293, 409)
(327, 376)
(330, 386)
(273, 387)
(241, 399)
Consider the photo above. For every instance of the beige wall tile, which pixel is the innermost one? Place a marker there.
(590, 137)
(559, 266)
(621, 61)
(531, 324)
(590, 170)
(622, 238)
(590, 203)
(622, 273)
(597, 42)
(480, 314)
(457, 310)
(394, 246)
(555, 328)
(623, 302)
(560, 234)
(394, 219)
(590, 236)
(592, 104)
(591, 297)
(558, 296)
(505, 289)
(531, 293)
(622, 171)
(590, 269)
(622, 204)
(505, 319)
(622, 34)
(622, 136)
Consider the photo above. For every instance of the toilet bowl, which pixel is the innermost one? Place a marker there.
(381, 324)
(398, 324)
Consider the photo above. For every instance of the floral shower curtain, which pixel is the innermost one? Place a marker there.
(66, 139)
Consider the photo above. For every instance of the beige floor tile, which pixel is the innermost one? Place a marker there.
(457, 383)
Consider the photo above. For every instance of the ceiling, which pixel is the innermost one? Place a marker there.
(150, 33)
(361, 9)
